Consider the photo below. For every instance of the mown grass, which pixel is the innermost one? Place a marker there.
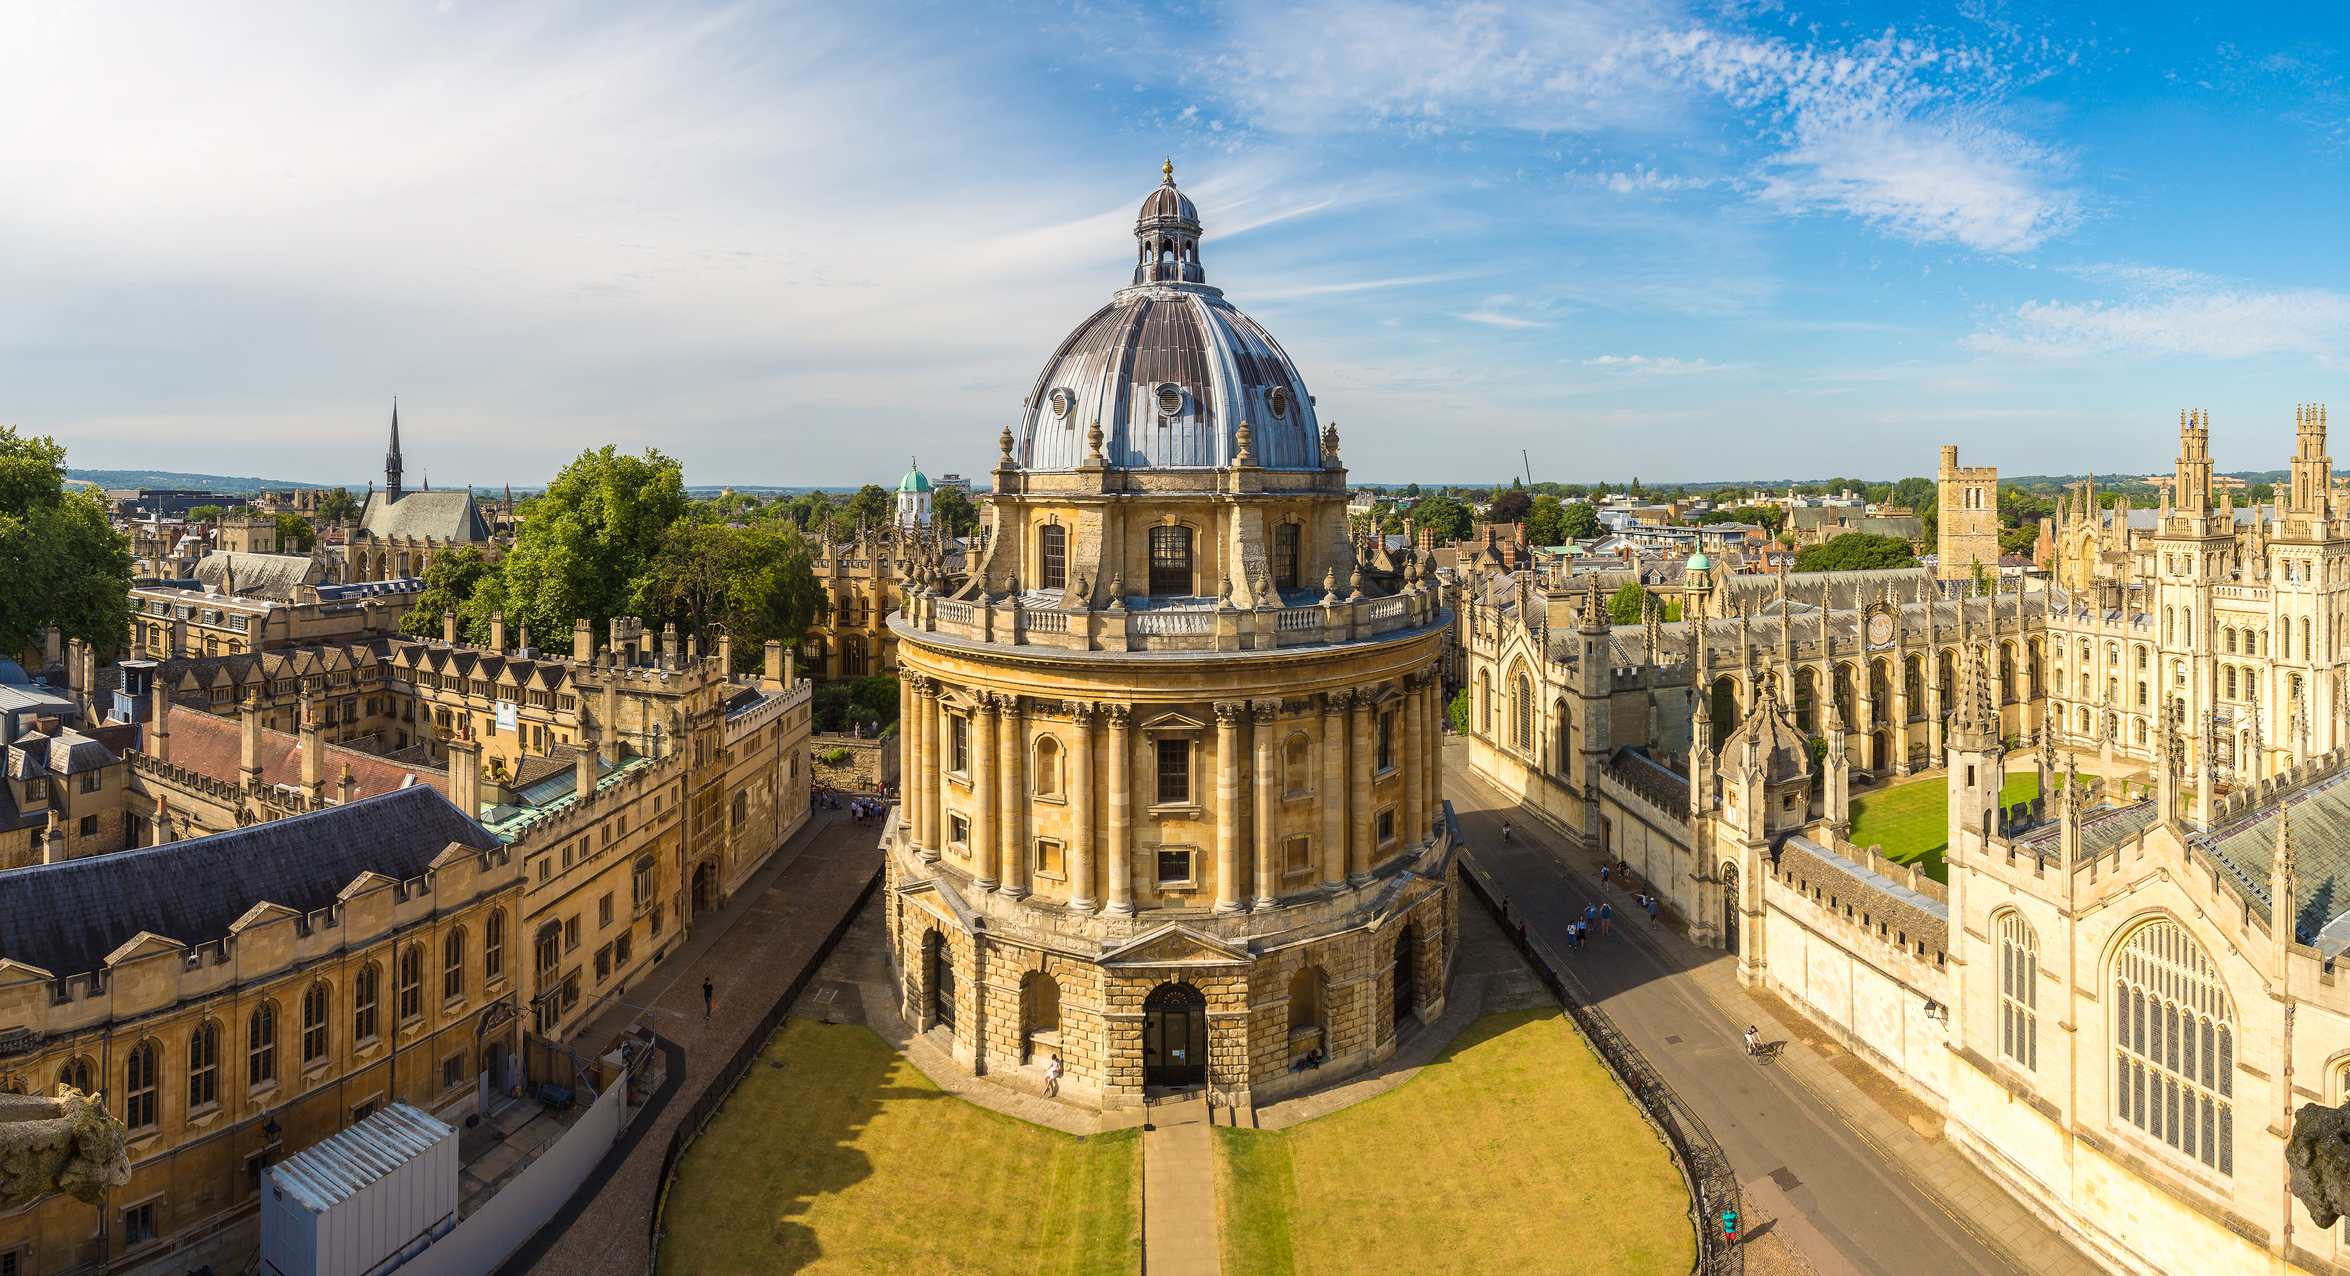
(1912, 821)
(848, 1159)
(1514, 1151)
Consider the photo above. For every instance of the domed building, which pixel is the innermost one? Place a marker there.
(913, 511)
(1172, 809)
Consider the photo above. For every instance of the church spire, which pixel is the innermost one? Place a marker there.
(392, 458)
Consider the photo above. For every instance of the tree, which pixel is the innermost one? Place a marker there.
(60, 562)
(1412, 491)
(1447, 517)
(953, 512)
(873, 505)
(2259, 494)
(1509, 507)
(696, 571)
(295, 535)
(590, 547)
(1624, 607)
(774, 594)
(337, 506)
(206, 513)
(1855, 551)
(449, 581)
(1458, 711)
(1545, 520)
(1579, 522)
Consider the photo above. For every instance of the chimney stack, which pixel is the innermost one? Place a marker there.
(583, 780)
(344, 786)
(449, 627)
(465, 770)
(53, 844)
(249, 743)
(161, 822)
(313, 755)
(498, 631)
(773, 675)
(583, 640)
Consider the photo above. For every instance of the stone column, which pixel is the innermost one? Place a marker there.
(1366, 760)
(1228, 871)
(983, 782)
(1332, 798)
(1011, 799)
(1266, 727)
(1081, 808)
(1118, 863)
(1415, 765)
(926, 813)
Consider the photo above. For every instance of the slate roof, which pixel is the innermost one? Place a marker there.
(67, 918)
(444, 516)
(271, 576)
(2246, 846)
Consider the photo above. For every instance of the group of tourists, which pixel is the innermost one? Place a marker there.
(863, 810)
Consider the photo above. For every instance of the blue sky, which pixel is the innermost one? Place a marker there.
(795, 244)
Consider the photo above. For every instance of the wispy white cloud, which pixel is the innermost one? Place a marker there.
(1640, 178)
(2171, 314)
(1647, 365)
(1498, 320)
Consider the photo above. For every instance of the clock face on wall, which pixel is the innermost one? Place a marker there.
(1880, 629)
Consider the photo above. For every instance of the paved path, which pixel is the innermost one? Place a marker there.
(1856, 1174)
(751, 950)
(1179, 1190)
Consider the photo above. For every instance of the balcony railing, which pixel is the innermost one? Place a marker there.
(1190, 625)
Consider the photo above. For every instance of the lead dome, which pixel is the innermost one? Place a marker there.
(1169, 369)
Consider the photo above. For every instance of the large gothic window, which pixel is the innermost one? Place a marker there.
(1052, 557)
(1522, 714)
(2019, 996)
(1171, 560)
(2174, 1046)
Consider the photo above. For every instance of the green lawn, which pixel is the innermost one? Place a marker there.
(1514, 1151)
(1912, 821)
(848, 1159)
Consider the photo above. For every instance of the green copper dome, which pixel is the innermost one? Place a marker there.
(915, 481)
(1697, 563)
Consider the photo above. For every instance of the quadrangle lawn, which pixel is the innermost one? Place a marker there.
(1514, 1151)
(1912, 821)
(848, 1159)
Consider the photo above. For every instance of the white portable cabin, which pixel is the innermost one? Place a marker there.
(362, 1201)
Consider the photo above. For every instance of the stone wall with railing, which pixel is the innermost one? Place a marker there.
(1223, 627)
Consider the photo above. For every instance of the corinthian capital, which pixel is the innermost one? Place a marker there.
(1228, 713)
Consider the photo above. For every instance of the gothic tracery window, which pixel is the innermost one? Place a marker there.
(2174, 1046)
(2019, 997)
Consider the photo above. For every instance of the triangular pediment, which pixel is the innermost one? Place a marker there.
(144, 944)
(1174, 722)
(13, 971)
(261, 914)
(1176, 946)
(938, 888)
(363, 884)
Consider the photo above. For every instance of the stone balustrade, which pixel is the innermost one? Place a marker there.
(1205, 626)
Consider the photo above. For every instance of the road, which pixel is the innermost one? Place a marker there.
(1849, 1202)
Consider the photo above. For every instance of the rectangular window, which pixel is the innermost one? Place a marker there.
(1174, 868)
(453, 1071)
(958, 743)
(620, 952)
(1052, 556)
(1174, 772)
(1297, 855)
(1387, 826)
(603, 912)
(570, 933)
(138, 1224)
(1171, 561)
(89, 826)
(603, 963)
(958, 830)
(1386, 740)
(92, 781)
(1048, 857)
(1285, 555)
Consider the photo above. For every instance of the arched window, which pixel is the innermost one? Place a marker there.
(2227, 639)
(2174, 1045)
(1485, 703)
(2019, 991)
(363, 990)
(314, 1024)
(1048, 767)
(138, 1086)
(2231, 676)
(453, 965)
(411, 987)
(1522, 713)
(1285, 567)
(204, 1065)
(493, 944)
(75, 1073)
(1171, 561)
(261, 1045)
(1052, 557)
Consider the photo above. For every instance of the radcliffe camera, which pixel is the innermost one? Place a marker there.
(729, 641)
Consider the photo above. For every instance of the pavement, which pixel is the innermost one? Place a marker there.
(1850, 1171)
(1179, 1189)
(752, 950)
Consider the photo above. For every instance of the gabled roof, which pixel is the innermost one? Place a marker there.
(67, 918)
(214, 745)
(449, 517)
(271, 576)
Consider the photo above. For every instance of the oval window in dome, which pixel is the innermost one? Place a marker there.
(1061, 401)
(1280, 402)
(1170, 399)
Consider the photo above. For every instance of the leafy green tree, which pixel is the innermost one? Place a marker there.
(810, 510)
(1578, 522)
(1445, 516)
(591, 548)
(2259, 494)
(774, 594)
(1855, 551)
(1624, 607)
(449, 581)
(873, 505)
(337, 506)
(206, 513)
(1509, 507)
(1458, 711)
(295, 535)
(1412, 491)
(953, 512)
(1544, 521)
(60, 563)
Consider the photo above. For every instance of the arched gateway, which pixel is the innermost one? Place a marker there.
(1175, 1036)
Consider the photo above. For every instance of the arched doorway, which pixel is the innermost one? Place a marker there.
(1406, 979)
(1175, 1036)
(1881, 751)
(1729, 908)
(938, 962)
(1040, 1016)
(705, 887)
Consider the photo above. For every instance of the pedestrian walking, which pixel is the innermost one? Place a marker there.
(1505, 908)
(1603, 870)
(1052, 1077)
(1505, 830)
(1521, 935)
(709, 999)
(1604, 913)
(1590, 915)
(1652, 912)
